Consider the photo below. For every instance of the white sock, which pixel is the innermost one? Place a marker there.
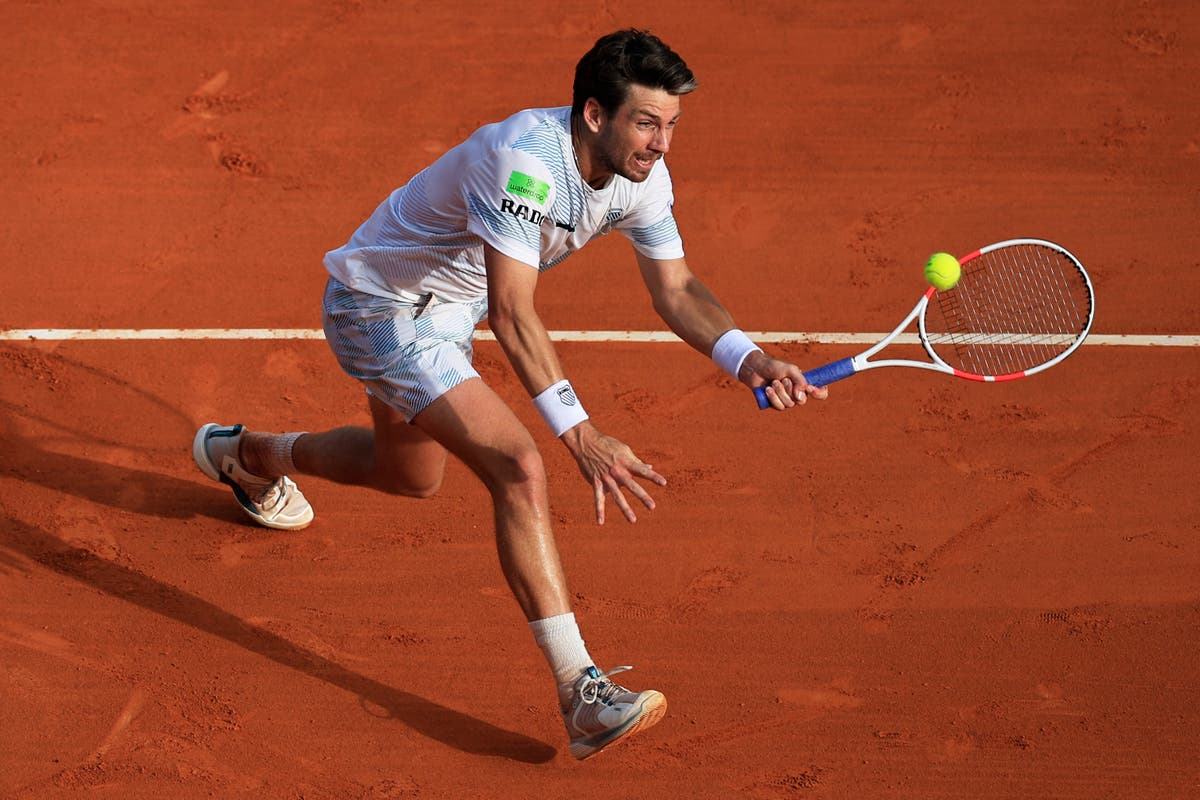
(278, 458)
(563, 647)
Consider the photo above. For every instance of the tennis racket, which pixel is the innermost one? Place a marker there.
(1020, 307)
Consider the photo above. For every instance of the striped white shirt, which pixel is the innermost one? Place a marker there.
(514, 185)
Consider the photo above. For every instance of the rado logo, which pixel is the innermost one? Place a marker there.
(522, 212)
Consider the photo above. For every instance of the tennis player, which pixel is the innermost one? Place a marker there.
(466, 238)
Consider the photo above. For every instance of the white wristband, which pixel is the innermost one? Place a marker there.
(731, 350)
(559, 406)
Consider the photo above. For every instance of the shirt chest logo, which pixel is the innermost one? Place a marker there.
(610, 218)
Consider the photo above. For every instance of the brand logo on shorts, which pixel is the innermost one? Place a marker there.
(522, 212)
(566, 396)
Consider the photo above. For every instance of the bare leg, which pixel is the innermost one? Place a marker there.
(472, 422)
(395, 457)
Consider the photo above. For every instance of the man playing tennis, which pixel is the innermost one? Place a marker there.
(467, 238)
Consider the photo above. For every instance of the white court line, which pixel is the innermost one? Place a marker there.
(159, 334)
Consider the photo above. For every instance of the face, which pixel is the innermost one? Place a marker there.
(629, 141)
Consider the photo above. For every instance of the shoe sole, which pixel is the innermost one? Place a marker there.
(653, 708)
(204, 462)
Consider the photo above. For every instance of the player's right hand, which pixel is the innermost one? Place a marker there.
(784, 382)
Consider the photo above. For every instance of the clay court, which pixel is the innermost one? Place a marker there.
(919, 588)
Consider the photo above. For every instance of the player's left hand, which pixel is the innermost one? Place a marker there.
(785, 384)
(610, 466)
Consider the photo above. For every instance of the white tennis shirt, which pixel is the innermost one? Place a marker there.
(514, 185)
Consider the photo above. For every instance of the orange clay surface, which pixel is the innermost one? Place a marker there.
(919, 588)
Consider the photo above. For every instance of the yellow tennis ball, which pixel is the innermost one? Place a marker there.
(942, 271)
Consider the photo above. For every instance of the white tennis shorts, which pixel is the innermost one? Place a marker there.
(406, 355)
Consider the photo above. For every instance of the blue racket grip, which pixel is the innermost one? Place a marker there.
(821, 376)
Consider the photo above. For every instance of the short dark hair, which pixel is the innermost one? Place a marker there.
(628, 57)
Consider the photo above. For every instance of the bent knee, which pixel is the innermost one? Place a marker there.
(519, 473)
(418, 487)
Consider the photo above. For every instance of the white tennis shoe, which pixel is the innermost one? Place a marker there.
(603, 713)
(271, 502)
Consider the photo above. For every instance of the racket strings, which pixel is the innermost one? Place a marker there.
(1015, 308)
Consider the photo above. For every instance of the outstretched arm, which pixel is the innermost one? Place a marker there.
(696, 316)
(609, 465)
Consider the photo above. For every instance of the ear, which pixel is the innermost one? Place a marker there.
(593, 115)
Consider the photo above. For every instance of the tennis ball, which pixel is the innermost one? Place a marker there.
(942, 271)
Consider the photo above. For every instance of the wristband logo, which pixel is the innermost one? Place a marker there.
(566, 396)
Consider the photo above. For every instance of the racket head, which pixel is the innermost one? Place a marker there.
(1020, 307)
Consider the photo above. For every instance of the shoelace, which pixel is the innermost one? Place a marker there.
(599, 689)
(274, 494)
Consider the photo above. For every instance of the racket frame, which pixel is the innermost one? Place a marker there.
(844, 368)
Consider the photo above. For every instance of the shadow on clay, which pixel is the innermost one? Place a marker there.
(438, 722)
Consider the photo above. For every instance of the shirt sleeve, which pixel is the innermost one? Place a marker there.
(507, 194)
(650, 225)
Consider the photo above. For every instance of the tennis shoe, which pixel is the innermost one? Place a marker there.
(603, 713)
(271, 502)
